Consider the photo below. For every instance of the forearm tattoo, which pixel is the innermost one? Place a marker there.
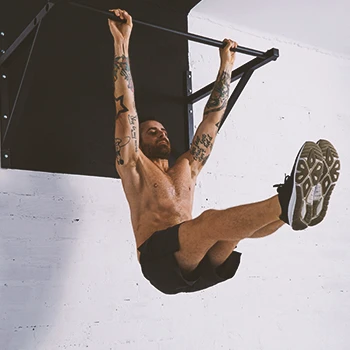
(122, 67)
(201, 147)
(120, 107)
(119, 144)
(219, 96)
(132, 122)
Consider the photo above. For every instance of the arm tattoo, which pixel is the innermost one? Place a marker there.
(219, 96)
(121, 64)
(119, 144)
(132, 122)
(121, 108)
(199, 148)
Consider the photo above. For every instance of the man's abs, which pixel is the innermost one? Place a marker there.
(151, 220)
(156, 220)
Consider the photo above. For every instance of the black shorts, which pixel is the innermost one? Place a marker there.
(160, 266)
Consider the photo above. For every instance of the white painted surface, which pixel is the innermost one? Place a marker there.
(318, 23)
(69, 278)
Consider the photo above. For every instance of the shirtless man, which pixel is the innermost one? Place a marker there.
(178, 253)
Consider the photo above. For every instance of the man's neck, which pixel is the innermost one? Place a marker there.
(163, 164)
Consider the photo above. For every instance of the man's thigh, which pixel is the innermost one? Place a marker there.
(195, 240)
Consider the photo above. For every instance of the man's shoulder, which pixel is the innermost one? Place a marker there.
(185, 161)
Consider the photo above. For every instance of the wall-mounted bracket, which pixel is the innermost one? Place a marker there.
(10, 116)
(243, 73)
(4, 102)
(189, 107)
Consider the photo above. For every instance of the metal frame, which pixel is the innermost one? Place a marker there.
(4, 104)
(243, 73)
(189, 106)
(9, 115)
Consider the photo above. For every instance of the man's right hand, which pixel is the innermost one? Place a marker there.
(227, 56)
(121, 31)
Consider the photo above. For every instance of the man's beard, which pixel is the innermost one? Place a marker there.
(159, 151)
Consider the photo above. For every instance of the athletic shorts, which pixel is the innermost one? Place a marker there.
(160, 266)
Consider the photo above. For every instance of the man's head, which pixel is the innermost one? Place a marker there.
(154, 141)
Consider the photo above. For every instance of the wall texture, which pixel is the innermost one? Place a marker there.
(69, 277)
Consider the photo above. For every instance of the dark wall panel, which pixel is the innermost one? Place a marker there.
(67, 124)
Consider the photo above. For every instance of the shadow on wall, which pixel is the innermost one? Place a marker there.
(36, 240)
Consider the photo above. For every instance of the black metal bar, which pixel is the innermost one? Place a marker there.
(189, 108)
(37, 19)
(235, 94)
(4, 102)
(189, 36)
(5, 154)
(2, 43)
(20, 98)
(271, 55)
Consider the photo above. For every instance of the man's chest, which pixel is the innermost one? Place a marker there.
(151, 185)
(176, 183)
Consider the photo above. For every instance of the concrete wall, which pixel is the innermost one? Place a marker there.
(69, 278)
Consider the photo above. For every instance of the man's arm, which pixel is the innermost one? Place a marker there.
(204, 138)
(126, 120)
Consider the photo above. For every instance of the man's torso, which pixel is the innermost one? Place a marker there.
(158, 199)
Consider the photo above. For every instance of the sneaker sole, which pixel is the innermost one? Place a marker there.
(330, 175)
(308, 170)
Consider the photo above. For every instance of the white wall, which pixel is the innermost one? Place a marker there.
(321, 23)
(69, 278)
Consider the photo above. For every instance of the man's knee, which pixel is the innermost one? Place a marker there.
(208, 215)
(202, 227)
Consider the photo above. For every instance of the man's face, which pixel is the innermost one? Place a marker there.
(154, 141)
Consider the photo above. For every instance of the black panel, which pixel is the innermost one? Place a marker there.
(67, 124)
(182, 6)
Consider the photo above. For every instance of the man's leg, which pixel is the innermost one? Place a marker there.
(197, 236)
(268, 229)
(293, 205)
(221, 250)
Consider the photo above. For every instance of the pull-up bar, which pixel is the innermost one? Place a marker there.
(189, 36)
